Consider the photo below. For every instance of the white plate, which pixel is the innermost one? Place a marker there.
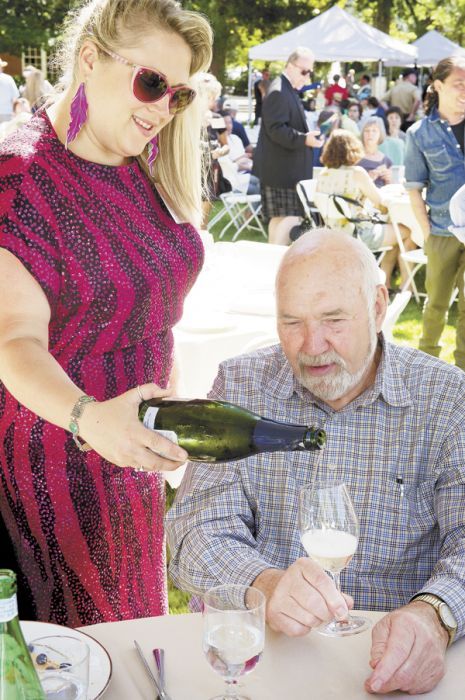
(99, 663)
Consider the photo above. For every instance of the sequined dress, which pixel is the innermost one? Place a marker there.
(115, 268)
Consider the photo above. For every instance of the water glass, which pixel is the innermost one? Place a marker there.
(233, 633)
(62, 664)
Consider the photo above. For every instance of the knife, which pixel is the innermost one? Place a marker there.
(160, 694)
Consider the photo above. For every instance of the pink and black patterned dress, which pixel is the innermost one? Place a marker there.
(115, 268)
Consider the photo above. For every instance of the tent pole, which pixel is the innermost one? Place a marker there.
(249, 91)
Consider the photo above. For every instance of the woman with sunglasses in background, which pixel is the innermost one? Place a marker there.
(100, 195)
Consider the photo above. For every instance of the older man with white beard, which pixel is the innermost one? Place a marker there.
(395, 421)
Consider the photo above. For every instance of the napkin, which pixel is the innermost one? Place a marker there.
(457, 214)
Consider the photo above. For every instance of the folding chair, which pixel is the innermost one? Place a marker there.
(306, 193)
(329, 211)
(401, 212)
(393, 312)
(242, 209)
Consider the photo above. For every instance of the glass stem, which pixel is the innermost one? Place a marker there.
(231, 689)
(336, 576)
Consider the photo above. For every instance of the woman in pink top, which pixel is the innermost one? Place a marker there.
(100, 195)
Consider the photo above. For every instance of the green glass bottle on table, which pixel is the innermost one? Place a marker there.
(18, 678)
(218, 431)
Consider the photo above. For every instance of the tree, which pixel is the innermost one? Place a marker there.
(30, 23)
(244, 23)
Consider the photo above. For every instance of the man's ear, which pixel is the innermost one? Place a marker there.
(381, 304)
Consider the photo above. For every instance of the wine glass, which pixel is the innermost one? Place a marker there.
(329, 533)
(233, 633)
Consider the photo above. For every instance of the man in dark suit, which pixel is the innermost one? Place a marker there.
(283, 155)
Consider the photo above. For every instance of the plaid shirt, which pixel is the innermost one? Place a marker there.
(231, 521)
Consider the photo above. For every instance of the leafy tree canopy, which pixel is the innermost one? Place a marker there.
(240, 24)
(33, 23)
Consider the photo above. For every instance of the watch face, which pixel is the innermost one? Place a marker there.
(447, 616)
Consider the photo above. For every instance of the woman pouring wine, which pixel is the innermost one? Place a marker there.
(100, 195)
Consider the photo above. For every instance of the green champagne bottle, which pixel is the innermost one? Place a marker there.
(18, 678)
(218, 431)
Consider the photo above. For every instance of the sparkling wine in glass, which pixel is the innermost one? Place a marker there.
(329, 533)
(233, 633)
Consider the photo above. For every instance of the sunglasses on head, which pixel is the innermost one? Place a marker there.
(303, 71)
(148, 85)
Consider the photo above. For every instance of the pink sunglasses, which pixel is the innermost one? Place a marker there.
(149, 85)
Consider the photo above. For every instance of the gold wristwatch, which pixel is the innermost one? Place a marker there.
(444, 613)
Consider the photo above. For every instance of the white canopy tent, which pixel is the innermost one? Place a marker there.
(432, 47)
(334, 35)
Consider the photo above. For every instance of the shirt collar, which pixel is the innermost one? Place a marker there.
(389, 383)
(434, 115)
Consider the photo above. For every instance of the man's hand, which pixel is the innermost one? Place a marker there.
(312, 140)
(408, 651)
(300, 598)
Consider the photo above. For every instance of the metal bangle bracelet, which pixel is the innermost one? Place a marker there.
(76, 413)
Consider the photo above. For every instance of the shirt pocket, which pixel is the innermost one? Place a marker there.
(437, 157)
(406, 517)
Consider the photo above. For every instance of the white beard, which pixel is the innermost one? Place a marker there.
(341, 381)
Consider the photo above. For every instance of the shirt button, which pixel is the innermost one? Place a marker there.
(449, 128)
(332, 467)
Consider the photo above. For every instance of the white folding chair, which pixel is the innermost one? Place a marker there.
(401, 212)
(329, 212)
(306, 193)
(393, 312)
(242, 209)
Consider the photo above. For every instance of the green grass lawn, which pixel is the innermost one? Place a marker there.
(406, 332)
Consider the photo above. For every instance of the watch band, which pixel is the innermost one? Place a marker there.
(436, 602)
(76, 413)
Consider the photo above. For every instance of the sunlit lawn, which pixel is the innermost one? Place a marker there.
(406, 332)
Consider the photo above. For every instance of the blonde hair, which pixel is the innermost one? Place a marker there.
(35, 86)
(208, 88)
(374, 121)
(115, 23)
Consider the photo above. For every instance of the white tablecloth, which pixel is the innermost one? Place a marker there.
(291, 669)
(230, 306)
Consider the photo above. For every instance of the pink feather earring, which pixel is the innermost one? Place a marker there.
(78, 114)
(153, 152)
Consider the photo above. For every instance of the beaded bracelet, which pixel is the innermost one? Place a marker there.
(76, 413)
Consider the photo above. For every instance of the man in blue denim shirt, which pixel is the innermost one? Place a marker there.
(434, 158)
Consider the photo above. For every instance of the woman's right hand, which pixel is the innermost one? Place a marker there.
(112, 428)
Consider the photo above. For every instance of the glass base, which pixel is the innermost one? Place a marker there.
(225, 696)
(353, 625)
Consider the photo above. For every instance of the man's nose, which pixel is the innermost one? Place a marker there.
(315, 342)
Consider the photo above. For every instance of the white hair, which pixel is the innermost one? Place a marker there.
(301, 52)
(321, 238)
